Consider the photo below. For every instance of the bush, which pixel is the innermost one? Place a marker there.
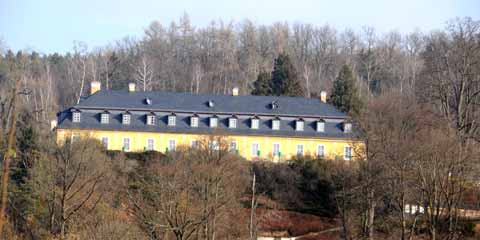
(301, 185)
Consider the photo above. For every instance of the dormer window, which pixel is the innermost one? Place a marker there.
(213, 122)
(151, 119)
(274, 105)
(76, 117)
(254, 122)
(172, 119)
(276, 124)
(148, 101)
(104, 117)
(347, 127)
(211, 103)
(194, 121)
(126, 118)
(299, 125)
(232, 122)
(321, 125)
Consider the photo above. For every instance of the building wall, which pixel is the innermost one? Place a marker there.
(288, 145)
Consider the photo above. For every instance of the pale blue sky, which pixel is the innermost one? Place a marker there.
(51, 26)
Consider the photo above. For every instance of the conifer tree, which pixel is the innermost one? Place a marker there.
(345, 95)
(262, 84)
(285, 78)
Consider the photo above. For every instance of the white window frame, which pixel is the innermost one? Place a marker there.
(104, 140)
(172, 120)
(126, 118)
(318, 152)
(347, 127)
(254, 123)
(302, 148)
(193, 121)
(299, 125)
(232, 147)
(320, 126)
(275, 124)
(232, 122)
(76, 117)
(151, 120)
(75, 138)
(347, 157)
(104, 118)
(213, 122)
(152, 145)
(126, 145)
(170, 148)
(195, 144)
(276, 154)
(214, 145)
(255, 153)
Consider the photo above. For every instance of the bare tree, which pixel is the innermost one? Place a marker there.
(80, 64)
(144, 72)
(72, 180)
(192, 194)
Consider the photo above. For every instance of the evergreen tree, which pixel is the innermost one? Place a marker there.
(285, 78)
(262, 84)
(345, 95)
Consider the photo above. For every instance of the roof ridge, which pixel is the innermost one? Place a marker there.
(206, 94)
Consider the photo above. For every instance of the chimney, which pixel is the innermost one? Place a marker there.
(323, 96)
(95, 86)
(53, 125)
(235, 91)
(131, 87)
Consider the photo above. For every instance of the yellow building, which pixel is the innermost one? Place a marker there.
(256, 127)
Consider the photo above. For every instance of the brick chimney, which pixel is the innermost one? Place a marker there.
(95, 86)
(131, 87)
(323, 96)
(235, 91)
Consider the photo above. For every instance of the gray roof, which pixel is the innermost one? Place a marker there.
(186, 104)
(189, 102)
(91, 120)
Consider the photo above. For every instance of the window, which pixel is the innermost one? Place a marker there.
(276, 150)
(105, 142)
(254, 123)
(126, 118)
(213, 122)
(76, 117)
(171, 145)
(299, 125)
(194, 121)
(347, 127)
(255, 149)
(75, 138)
(171, 120)
(151, 119)
(275, 124)
(320, 151)
(126, 144)
(150, 144)
(300, 150)
(195, 144)
(348, 153)
(232, 147)
(213, 145)
(232, 122)
(320, 126)
(104, 117)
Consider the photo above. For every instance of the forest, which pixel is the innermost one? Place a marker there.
(415, 97)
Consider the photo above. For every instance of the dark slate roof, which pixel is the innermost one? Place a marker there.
(186, 104)
(189, 102)
(91, 120)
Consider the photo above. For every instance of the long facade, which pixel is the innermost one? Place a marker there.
(255, 127)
